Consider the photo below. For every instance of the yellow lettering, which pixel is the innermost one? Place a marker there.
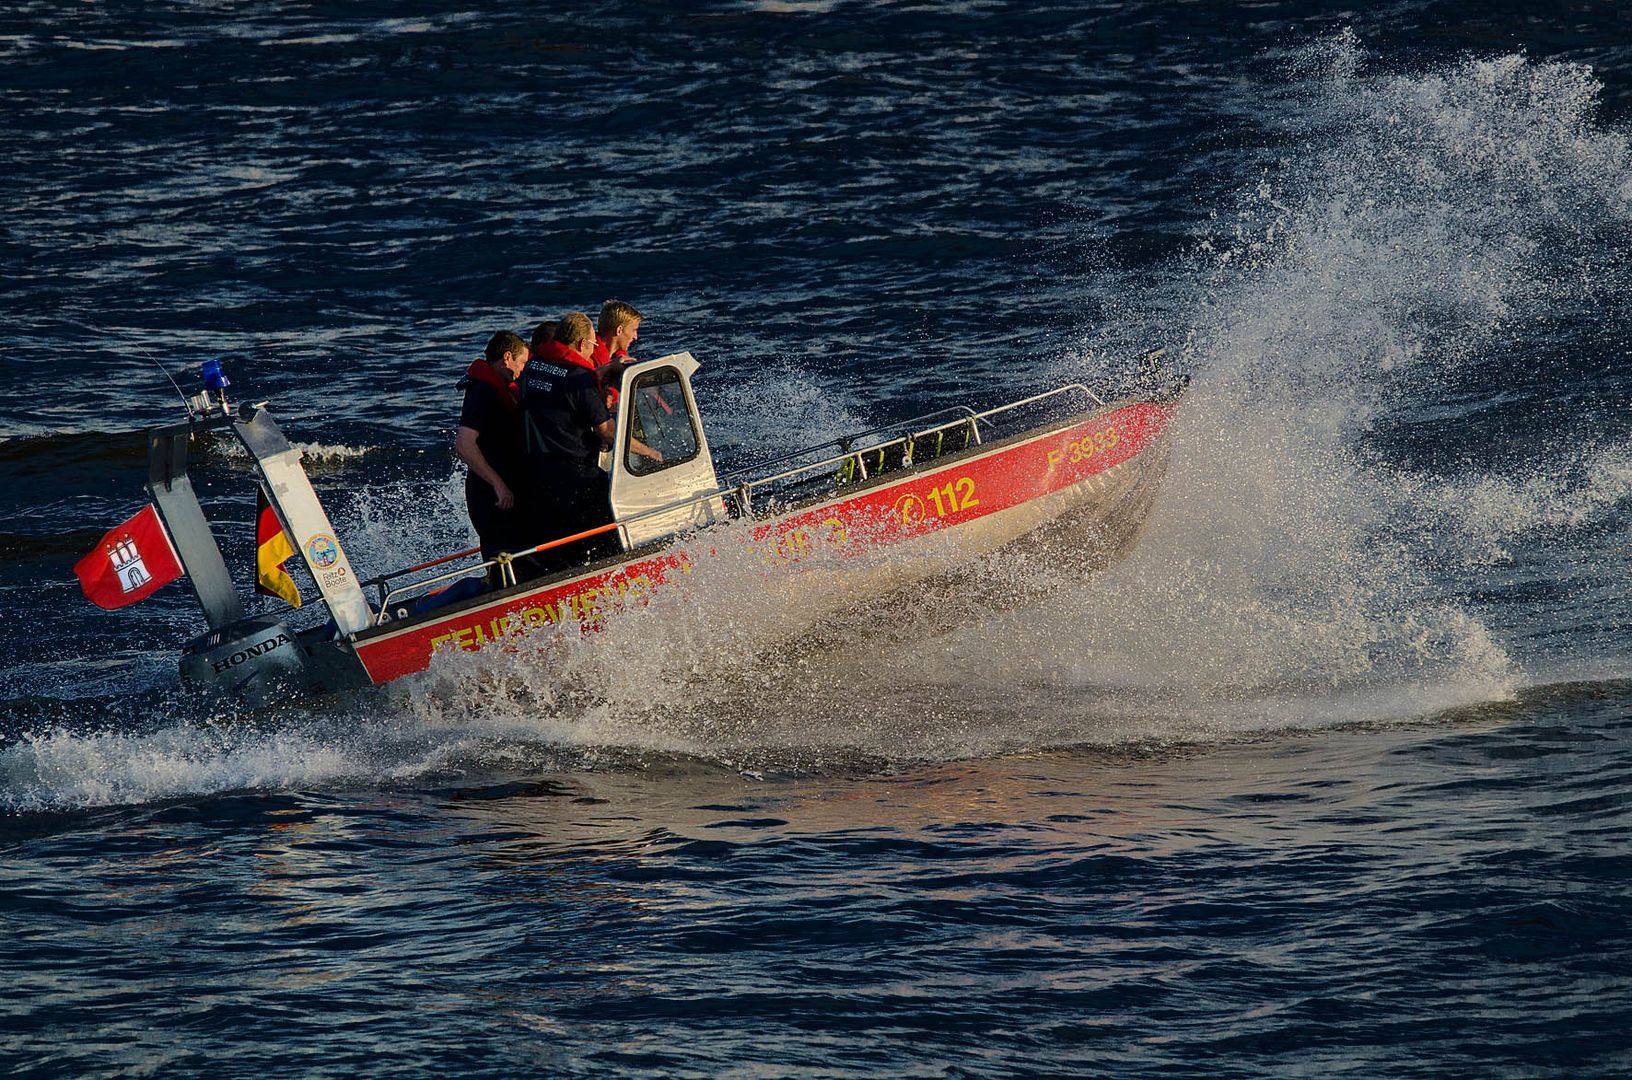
(1082, 449)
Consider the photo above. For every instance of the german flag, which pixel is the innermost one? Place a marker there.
(272, 547)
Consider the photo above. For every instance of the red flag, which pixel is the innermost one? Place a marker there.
(131, 563)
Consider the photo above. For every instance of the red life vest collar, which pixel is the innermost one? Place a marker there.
(483, 372)
(556, 353)
(604, 356)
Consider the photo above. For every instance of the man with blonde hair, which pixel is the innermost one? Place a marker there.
(618, 327)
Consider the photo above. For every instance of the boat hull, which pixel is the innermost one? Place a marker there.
(1080, 490)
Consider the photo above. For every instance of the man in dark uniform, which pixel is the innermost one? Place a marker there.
(490, 444)
(566, 426)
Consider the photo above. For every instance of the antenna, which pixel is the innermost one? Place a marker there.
(149, 358)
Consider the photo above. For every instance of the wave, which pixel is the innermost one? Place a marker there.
(57, 451)
(1571, 502)
(24, 455)
(317, 457)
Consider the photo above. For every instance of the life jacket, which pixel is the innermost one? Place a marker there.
(483, 372)
(556, 353)
(610, 375)
(603, 356)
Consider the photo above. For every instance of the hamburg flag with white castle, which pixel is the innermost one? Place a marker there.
(131, 563)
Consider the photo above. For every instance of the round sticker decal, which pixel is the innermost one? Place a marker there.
(322, 550)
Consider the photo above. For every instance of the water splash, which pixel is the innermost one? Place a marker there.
(750, 418)
(392, 525)
(1567, 503)
(1425, 223)
(63, 769)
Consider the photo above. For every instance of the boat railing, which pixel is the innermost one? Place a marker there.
(1058, 391)
(505, 561)
(847, 467)
(846, 443)
(854, 464)
(383, 615)
(917, 426)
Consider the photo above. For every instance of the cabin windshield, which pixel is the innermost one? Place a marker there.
(659, 420)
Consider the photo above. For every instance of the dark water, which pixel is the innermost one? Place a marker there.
(1330, 777)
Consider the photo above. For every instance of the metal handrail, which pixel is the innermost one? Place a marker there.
(383, 616)
(827, 463)
(844, 441)
(1067, 388)
(503, 561)
(381, 579)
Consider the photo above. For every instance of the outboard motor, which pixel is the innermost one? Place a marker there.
(253, 661)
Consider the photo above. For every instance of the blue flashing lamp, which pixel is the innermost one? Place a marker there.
(214, 377)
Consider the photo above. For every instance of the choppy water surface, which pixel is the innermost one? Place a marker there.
(1329, 776)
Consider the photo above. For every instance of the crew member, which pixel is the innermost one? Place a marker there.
(616, 330)
(573, 343)
(566, 427)
(489, 442)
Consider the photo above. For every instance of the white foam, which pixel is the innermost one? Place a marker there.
(1426, 219)
(1487, 513)
(330, 452)
(61, 769)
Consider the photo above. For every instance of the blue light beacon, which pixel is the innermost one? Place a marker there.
(216, 379)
